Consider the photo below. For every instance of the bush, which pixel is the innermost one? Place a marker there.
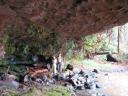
(32, 40)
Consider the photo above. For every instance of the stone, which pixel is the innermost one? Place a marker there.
(80, 87)
(44, 78)
(38, 80)
(92, 85)
(106, 74)
(69, 67)
(35, 58)
(98, 85)
(15, 84)
(9, 84)
(52, 81)
(66, 17)
(95, 71)
(26, 78)
(99, 94)
(76, 70)
(111, 58)
(86, 85)
(8, 77)
(67, 74)
(3, 77)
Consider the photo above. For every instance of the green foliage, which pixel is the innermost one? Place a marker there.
(3, 62)
(32, 40)
(95, 43)
(9, 46)
(89, 42)
(69, 46)
(57, 91)
(51, 91)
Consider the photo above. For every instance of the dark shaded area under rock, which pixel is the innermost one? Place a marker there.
(111, 58)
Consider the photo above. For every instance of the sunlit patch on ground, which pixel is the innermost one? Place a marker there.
(115, 84)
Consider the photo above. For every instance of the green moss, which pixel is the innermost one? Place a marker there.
(57, 91)
(47, 91)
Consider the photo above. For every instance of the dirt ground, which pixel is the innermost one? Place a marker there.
(115, 84)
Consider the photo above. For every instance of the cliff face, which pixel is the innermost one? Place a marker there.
(69, 18)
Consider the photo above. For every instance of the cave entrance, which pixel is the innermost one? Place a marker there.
(104, 54)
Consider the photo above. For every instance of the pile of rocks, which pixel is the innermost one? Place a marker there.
(75, 79)
(82, 80)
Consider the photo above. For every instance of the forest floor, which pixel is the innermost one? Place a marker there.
(115, 84)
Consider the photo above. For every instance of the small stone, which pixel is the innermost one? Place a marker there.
(15, 84)
(99, 94)
(98, 85)
(80, 87)
(76, 70)
(38, 80)
(86, 85)
(52, 81)
(69, 67)
(95, 71)
(106, 74)
(92, 86)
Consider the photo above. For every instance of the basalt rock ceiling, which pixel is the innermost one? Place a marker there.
(69, 18)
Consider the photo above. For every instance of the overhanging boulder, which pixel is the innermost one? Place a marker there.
(69, 18)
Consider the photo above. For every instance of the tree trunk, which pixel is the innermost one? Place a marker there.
(118, 40)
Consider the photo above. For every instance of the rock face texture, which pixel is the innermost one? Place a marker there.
(70, 18)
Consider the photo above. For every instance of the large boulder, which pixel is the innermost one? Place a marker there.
(66, 17)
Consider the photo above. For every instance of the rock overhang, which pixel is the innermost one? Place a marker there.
(68, 18)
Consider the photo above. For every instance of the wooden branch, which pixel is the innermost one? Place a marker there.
(102, 53)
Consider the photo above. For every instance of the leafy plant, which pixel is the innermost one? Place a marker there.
(89, 42)
(69, 47)
(32, 40)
